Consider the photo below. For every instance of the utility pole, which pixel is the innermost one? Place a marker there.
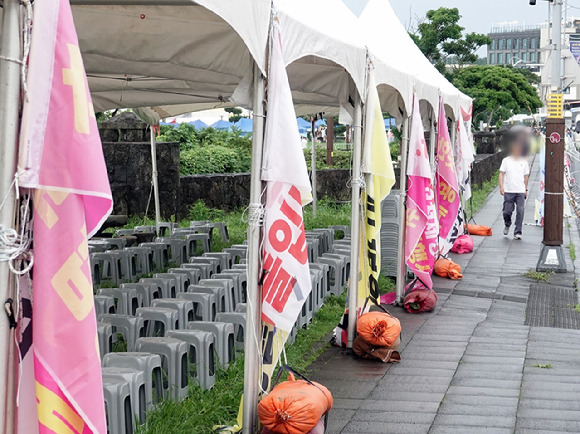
(329, 140)
(552, 254)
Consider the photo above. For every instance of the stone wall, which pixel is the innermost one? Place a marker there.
(129, 169)
(485, 166)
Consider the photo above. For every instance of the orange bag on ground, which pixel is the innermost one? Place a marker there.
(385, 354)
(447, 268)
(318, 429)
(378, 328)
(484, 231)
(294, 406)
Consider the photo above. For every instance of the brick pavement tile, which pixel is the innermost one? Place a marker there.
(465, 429)
(486, 382)
(479, 400)
(494, 367)
(347, 404)
(350, 389)
(396, 388)
(478, 410)
(415, 380)
(400, 406)
(475, 420)
(482, 391)
(527, 393)
(410, 371)
(394, 417)
(463, 372)
(535, 431)
(564, 388)
(543, 424)
(427, 364)
(385, 393)
(359, 427)
(549, 414)
(494, 360)
(335, 426)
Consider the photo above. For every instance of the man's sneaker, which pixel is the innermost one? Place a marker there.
(506, 230)
(517, 236)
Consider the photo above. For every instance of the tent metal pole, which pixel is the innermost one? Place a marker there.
(401, 264)
(10, 47)
(253, 315)
(355, 226)
(313, 168)
(154, 177)
(432, 142)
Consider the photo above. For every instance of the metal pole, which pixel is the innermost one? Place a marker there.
(432, 143)
(401, 265)
(355, 226)
(154, 178)
(313, 169)
(556, 45)
(253, 315)
(10, 47)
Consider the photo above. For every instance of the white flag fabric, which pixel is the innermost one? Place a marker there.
(286, 283)
(465, 153)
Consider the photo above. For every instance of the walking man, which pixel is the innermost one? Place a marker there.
(513, 180)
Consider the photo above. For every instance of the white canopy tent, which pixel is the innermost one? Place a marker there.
(388, 39)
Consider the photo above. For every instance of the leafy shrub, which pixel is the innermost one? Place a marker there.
(209, 150)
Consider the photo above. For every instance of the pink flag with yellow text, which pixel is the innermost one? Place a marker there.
(445, 177)
(421, 223)
(61, 159)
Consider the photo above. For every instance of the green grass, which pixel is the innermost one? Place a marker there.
(572, 249)
(577, 308)
(479, 195)
(539, 276)
(545, 366)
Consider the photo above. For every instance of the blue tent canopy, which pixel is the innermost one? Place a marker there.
(302, 123)
(245, 125)
(221, 125)
(320, 122)
(389, 123)
(198, 124)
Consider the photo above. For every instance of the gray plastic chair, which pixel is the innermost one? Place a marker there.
(104, 304)
(238, 319)
(173, 354)
(204, 305)
(130, 327)
(146, 291)
(158, 320)
(149, 364)
(136, 381)
(217, 291)
(105, 337)
(201, 354)
(117, 394)
(225, 340)
(205, 270)
(224, 257)
(229, 289)
(184, 308)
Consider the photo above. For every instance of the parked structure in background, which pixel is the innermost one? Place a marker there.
(515, 45)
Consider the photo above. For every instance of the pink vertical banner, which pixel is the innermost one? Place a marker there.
(421, 222)
(61, 158)
(448, 200)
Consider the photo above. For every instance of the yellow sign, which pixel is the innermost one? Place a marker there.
(554, 101)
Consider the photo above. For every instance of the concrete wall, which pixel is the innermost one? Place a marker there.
(485, 166)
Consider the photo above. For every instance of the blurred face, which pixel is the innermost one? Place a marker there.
(520, 144)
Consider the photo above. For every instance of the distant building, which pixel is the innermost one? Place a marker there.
(515, 45)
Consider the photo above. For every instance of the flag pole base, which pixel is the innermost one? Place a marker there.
(552, 260)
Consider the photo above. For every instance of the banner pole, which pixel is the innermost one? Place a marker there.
(432, 143)
(254, 299)
(10, 48)
(355, 221)
(313, 167)
(155, 179)
(401, 264)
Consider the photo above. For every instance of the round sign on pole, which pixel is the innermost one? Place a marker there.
(555, 137)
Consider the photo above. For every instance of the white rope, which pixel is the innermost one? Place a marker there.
(256, 213)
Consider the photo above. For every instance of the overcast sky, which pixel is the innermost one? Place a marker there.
(477, 15)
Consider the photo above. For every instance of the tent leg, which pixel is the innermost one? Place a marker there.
(355, 222)
(432, 143)
(313, 169)
(10, 46)
(155, 179)
(401, 264)
(253, 316)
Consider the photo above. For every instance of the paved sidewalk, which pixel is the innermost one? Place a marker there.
(472, 365)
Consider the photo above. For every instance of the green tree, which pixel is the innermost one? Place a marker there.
(235, 113)
(440, 38)
(498, 92)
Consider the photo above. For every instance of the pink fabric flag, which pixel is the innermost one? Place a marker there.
(446, 178)
(61, 158)
(421, 222)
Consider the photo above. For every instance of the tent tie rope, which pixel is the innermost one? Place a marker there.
(256, 213)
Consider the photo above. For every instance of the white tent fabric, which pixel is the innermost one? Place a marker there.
(389, 41)
(325, 58)
(184, 56)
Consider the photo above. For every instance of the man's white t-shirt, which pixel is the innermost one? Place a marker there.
(515, 170)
